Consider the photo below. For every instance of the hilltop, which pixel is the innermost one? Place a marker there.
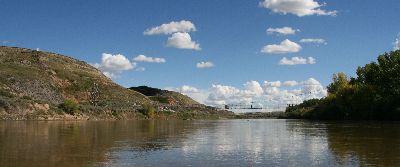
(177, 105)
(43, 85)
(165, 96)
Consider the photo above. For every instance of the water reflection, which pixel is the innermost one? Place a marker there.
(199, 143)
(371, 143)
(36, 143)
(241, 143)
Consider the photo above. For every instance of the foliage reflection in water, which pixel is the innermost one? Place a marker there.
(199, 143)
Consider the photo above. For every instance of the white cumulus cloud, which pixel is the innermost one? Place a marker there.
(271, 95)
(253, 88)
(112, 65)
(172, 27)
(180, 37)
(272, 91)
(182, 40)
(285, 46)
(143, 58)
(314, 40)
(311, 60)
(203, 64)
(297, 7)
(293, 61)
(290, 83)
(397, 43)
(272, 87)
(223, 94)
(187, 89)
(297, 60)
(272, 83)
(283, 30)
(312, 88)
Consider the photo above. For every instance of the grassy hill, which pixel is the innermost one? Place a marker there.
(44, 85)
(177, 105)
(165, 96)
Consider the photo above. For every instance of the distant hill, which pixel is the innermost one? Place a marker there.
(147, 91)
(165, 96)
(37, 85)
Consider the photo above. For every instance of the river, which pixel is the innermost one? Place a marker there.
(269, 142)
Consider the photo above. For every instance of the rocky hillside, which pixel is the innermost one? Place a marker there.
(32, 81)
(43, 85)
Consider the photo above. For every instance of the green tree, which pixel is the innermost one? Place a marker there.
(384, 75)
(339, 80)
(373, 94)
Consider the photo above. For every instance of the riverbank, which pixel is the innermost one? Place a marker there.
(261, 115)
(162, 115)
(120, 115)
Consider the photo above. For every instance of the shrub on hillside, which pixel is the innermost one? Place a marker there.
(70, 106)
(6, 93)
(148, 110)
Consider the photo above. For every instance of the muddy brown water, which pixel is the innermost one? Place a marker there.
(269, 142)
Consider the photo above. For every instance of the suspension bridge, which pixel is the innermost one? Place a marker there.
(268, 105)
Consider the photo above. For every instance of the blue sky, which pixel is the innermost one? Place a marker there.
(231, 35)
